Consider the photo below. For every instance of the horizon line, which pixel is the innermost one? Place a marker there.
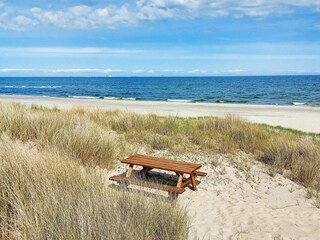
(168, 76)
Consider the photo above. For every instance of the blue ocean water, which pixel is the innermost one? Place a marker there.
(277, 90)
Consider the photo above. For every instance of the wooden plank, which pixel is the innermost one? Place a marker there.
(129, 170)
(143, 158)
(137, 161)
(160, 187)
(200, 174)
(169, 168)
(164, 167)
(193, 181)
(180, 178)
(162, 163)
(185, 182)
(167, 188)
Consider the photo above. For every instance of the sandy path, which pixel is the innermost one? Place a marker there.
(253, 205)
(298, 117)
(239, 201)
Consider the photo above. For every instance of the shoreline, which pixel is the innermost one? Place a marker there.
(303, 118)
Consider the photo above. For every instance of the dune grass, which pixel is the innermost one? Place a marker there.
(95, 137)
(43, 195)
(80, 139)
(281, 148)
(51, 188)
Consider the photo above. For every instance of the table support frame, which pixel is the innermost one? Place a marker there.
(181, 182)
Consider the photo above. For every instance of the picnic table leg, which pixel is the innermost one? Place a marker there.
(193, 181)
(180, 178)
(129, 170)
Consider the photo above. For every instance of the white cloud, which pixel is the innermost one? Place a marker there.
(153, 10)
(277, 51)
(248, 56)
(67, 50)
(65, 70)
(164, 9)
(73, 70)
(172, 71)
(112, 16)
(62, 71)
(83, 17)
(235, 71)
(193, 71)
(151, 72)
(108, 70)
(23, 21)
(17, 23)
(83, 70)
(7, 70)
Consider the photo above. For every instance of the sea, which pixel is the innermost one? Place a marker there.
(274, 90)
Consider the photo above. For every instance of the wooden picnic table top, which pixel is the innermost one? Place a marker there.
(162, 163)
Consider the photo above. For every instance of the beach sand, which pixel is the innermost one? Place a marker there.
(302, 118)
(238, 199)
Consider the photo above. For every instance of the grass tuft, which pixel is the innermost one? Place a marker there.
(43, 195)
(76, 136)
(301, 157)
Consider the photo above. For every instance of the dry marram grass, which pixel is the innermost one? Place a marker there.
(282, 149)
(96, 137)
(80, 139)
(43, 195)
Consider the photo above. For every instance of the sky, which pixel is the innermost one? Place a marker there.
(159, 37)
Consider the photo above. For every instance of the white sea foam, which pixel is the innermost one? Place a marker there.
(129, 99)
(34, 87)
(180, 100)
(105, 98)
(84, 97)
(112, 98)
(298, 103)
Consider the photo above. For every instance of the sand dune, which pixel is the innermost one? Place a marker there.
(240, 200)
(303, 118)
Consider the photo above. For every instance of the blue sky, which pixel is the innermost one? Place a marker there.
(159, 37)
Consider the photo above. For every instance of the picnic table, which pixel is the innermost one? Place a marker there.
(148, 163)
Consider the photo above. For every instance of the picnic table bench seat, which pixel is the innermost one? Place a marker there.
(200, 174)
(127, 180)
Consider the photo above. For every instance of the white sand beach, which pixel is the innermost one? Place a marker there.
(302, 118)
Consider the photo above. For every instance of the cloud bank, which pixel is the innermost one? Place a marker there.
(127, 14)
(111, 71)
